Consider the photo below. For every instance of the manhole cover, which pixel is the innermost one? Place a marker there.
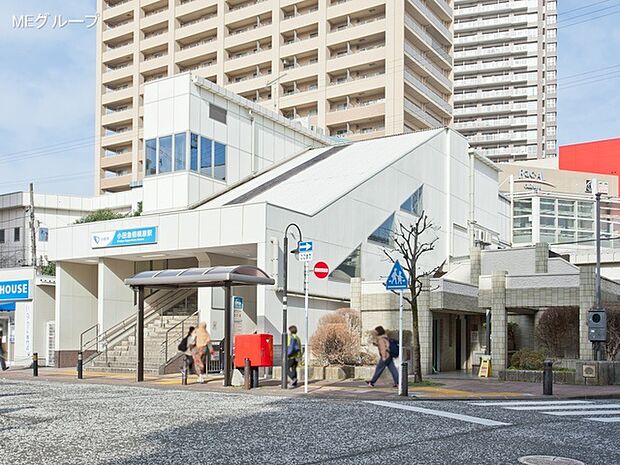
(548, 460)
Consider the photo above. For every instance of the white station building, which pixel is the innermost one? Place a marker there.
(223, 179)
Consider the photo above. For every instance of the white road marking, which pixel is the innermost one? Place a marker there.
(583, 413)
(564, 407)
(605, 420)
(531, 402)
(439, 413)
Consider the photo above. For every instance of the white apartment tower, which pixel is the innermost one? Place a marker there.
(350, 68)
(505, 88)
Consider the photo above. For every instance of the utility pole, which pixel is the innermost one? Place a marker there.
(33, 229)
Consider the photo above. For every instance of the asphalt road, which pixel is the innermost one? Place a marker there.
(63, 423)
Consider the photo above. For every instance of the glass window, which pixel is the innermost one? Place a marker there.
(1, 236)
(193, 153)
(205, 156)
(547, 221)
(219, 165)
(43, 234)
(585, 209)
(523, 222)
(383, 234)
(165, 154)
(586, 224)
(179, 151)
(16, 234)
(349, 268)
(547, 206)
(415, 203)
(151, 157)
(523, 207)
(585, 236)
(566, 236)
(217, 113)
(547, 235)
(522, 236)
(566, 208)
(566, 223)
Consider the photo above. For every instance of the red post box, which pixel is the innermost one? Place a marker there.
(257, 347)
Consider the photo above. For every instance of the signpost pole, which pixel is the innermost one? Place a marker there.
(306, 352)
(401, 381)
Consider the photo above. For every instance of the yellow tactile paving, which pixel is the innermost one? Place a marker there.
(445, 392)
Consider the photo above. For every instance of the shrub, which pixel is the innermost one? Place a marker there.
(558, 331)
(528, 359)
(337, 339)
(103, 214)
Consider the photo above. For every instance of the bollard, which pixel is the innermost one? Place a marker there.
(80, 366)
(255, 377)
(404, 386)
(35, 364)
(548, 378)
(184, 371)
(247, 376)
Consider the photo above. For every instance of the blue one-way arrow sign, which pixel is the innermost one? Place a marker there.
(305, 251)
(397, 279)
(305, 246)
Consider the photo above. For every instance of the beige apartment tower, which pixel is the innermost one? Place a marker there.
(505, 77)
(349, 68)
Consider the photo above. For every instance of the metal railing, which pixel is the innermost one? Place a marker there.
(179, 334)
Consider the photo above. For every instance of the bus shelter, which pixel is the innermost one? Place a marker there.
(216, 276)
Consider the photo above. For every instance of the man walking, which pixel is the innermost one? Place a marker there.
(293, 351)
(386, 360)
(2, 353)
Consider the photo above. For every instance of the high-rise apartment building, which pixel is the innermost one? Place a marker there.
(505, 88)
(351, 68)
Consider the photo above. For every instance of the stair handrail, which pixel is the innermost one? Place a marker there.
(165, 341)
(120, 329)
(84, 345)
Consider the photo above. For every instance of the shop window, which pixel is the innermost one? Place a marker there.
(151, 157)
(384, 233)
(349, 268)
(179, 151)
(414, 204)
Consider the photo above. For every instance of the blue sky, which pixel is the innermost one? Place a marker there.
(47, 83)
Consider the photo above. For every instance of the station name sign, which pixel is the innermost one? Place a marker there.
(124, 237)
(15, 290)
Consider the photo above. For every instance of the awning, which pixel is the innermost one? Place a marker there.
(7, 307)
(216, 276)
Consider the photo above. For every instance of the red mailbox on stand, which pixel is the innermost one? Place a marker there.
(257, 347)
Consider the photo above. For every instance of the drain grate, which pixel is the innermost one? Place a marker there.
(548, 460)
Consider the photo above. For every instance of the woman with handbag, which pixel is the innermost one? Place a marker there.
(201, 349)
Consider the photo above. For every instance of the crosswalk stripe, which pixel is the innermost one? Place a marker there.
(605, 420)
(439, 413)
(531, 402)
(583, 413)
(564, 407)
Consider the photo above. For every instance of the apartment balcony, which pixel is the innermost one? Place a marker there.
(478, 24)
(428, 40)
(193, 28)
(373, 132)
(500, 51)
(116, 117)
(432, 18)
(349, 7)
(118, 138)
(153, 63)
(200, 69)
(444, 10)
(252, 34)
(356, 113)
(508, 122)
(115, 183)
(112, 54)
(250, 83)
(116, 161)
(530, 107)
(426, 93)
(355, 85)
(505, 137)
(188, 6)
(520, 34)
(154, 41)
(507, 79)
(119, 8)
(117, 31)
(300, 71)
(495, 8)
(111, 96)
(299, 46)
(251, 59)
(253, 8)
(298, 98)
(299, 21)
(496, 94)
(155, 18)
(111, 75)
(430, 68)
(369, 54)
(522, 64)
(372, 27)
(205, 47)
(421, 115)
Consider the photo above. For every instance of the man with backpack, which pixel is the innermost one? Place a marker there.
(388, 351)
(185, 346)
(293, 351)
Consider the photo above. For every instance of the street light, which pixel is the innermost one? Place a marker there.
(285, 305)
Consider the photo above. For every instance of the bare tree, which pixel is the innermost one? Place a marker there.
(612, 347)
(410, 243)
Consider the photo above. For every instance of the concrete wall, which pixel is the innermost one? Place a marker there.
(115, 299)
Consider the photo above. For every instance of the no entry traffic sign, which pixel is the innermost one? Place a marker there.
(321, 270)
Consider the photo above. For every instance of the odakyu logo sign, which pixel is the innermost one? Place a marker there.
(124, 237)
(15, 290)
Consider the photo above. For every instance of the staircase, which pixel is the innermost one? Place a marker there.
(121, 355)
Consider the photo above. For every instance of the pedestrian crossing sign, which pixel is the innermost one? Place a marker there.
(397, 279)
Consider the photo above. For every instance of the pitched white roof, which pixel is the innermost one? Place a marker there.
(340, 170)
